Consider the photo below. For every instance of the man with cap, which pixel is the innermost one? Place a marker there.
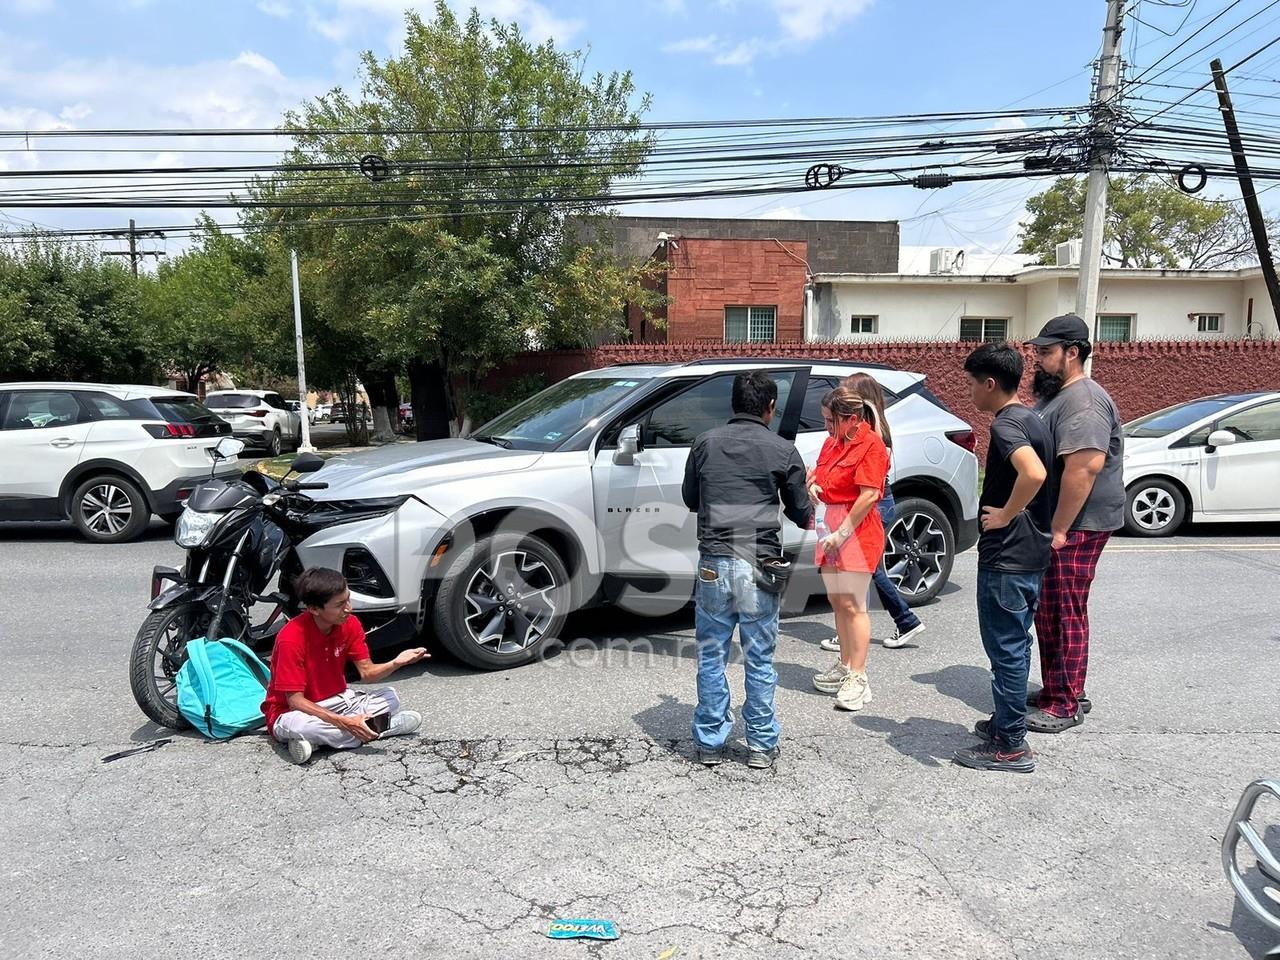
(1085, 426)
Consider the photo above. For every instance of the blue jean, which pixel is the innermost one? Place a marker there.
(890, 598)
(727, 597)
(1006, 611)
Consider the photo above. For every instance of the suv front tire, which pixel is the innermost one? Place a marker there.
(109, 509)
(920, 548)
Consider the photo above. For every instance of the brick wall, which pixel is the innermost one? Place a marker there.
(1141, 377)
(705, 276)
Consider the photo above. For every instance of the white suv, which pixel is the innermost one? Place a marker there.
(104, 457)
(261, 418)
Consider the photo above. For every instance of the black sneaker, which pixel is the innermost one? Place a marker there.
(983, 728)
(761, 759)
(710, 758)
(995, 756)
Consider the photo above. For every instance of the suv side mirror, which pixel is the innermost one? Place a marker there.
(628, 446)
(1219, 438)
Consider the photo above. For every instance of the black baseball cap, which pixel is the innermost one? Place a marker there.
(1067, 328)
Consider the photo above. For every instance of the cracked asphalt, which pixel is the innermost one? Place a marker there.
(565, 789)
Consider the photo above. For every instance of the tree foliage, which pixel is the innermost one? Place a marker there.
(1149, 224)
(492, 144)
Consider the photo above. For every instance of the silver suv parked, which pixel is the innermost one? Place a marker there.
(573, 498)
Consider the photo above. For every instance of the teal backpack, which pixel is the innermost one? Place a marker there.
(221, 688)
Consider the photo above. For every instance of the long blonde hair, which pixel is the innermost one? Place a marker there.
(868, 388)
(845, 404)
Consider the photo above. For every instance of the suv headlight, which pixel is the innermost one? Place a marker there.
(194, 528)
(327, 513)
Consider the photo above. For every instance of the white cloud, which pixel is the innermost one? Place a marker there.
(337, 20)
(30, 7)
(275, 8)
(807, 20)
(800, 23)
(783, 213)
(738, 55)
(672, 6)
(693, 45)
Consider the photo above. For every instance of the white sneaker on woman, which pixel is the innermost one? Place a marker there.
(831, 680)
(854, 693)
(831, 644)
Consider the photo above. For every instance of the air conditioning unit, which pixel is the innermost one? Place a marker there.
(946, 260)
(1069, 254)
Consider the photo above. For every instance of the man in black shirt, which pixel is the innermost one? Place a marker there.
(1014, 551)
(733, 478)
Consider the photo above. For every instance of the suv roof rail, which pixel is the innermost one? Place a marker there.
(641, 363)
(709, 361)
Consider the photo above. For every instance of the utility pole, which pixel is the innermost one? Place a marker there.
(306, 446)
(1106, 93)
(133, 253)
(1250, 196)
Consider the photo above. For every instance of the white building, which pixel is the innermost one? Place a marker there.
(995, 298)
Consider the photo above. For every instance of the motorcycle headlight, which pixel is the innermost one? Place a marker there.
(194, 528)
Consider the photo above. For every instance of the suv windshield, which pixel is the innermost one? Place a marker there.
(234, 401)
(548, 418)
(1171, 419)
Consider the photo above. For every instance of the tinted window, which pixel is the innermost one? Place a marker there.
(811, 415)
(1171, 419)
(276, 401)
(104, 407)
(41, 409)
(182, 410)
(548, 418)
(678, 422)
(1255, 424)
(234, 401)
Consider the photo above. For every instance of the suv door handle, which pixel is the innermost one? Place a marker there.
(62, 443)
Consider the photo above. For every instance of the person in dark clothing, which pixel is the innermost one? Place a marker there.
(734, 479)
(1014, 551)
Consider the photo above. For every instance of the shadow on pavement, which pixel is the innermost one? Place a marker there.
(62, 531)
(667, 724)
(929, 742)
(969, 684)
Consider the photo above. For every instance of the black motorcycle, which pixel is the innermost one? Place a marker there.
(239, 534)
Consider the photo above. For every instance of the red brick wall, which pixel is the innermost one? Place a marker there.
(1141, 377)
(705, 276)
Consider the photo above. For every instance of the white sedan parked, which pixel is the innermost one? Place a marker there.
(1215, 459)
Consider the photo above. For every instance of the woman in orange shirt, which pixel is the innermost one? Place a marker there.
(849, 479)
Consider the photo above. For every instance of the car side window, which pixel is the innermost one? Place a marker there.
(275, 400)
(105, 407)
(41, 409)
(680, 420)
(811, 413)
(1255, 424)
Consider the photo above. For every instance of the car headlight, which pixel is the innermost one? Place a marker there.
(327, 513)
(194, 527)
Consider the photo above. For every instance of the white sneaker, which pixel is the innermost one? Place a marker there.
(831, 680)
(854, 693)
(403, 723)
(899, 639)
(831, 644)
(300, 751)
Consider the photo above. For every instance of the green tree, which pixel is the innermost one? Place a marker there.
(1149, 224)
(492, 144)
(66, 313)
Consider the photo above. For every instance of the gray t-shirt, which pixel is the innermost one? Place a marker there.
(1084, 417)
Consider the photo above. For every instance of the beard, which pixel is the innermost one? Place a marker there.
(1046, 385)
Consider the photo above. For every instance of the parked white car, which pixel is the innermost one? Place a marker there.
(1210, 460)
(261, 418)
(298, 407)
(105, 457)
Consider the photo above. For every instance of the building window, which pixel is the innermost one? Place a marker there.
(750, 324)
(1209, 322)
(984, 328)
(864, 325)
(1115, 327)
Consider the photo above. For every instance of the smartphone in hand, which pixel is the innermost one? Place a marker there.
(378, 723)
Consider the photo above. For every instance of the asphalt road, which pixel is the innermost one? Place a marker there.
(565, 790)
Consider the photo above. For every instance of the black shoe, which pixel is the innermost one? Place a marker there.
(1041, 722)
(710, 758)
(1033, 700)
(995, 756)
(761, 759)
(983, 728)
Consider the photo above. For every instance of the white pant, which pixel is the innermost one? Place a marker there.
(296, 725)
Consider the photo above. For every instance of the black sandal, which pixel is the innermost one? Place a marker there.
(1033, 701)
(1041, 722)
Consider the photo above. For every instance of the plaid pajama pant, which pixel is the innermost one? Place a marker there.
(1062, 621)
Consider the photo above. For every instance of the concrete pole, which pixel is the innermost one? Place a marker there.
(302, 368)
(1103, 113)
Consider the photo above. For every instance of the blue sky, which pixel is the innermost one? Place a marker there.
(134, 63)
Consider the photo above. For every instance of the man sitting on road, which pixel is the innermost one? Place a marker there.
(308, 702)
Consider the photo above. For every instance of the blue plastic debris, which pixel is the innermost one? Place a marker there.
(583, 929)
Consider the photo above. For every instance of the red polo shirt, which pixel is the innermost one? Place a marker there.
(312, 663)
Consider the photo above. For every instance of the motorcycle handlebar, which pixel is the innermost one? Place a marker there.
(308, 486)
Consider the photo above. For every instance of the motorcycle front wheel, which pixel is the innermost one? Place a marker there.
(160, 650)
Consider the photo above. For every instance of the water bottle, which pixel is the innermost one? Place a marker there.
(822, 532)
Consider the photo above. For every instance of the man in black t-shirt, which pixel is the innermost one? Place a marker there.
(1014, 551)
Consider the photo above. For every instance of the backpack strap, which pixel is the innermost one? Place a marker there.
(198, 657)
(251, 659)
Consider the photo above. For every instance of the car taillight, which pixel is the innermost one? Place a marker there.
(965, 438)
(170, 431)
(255, 413)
